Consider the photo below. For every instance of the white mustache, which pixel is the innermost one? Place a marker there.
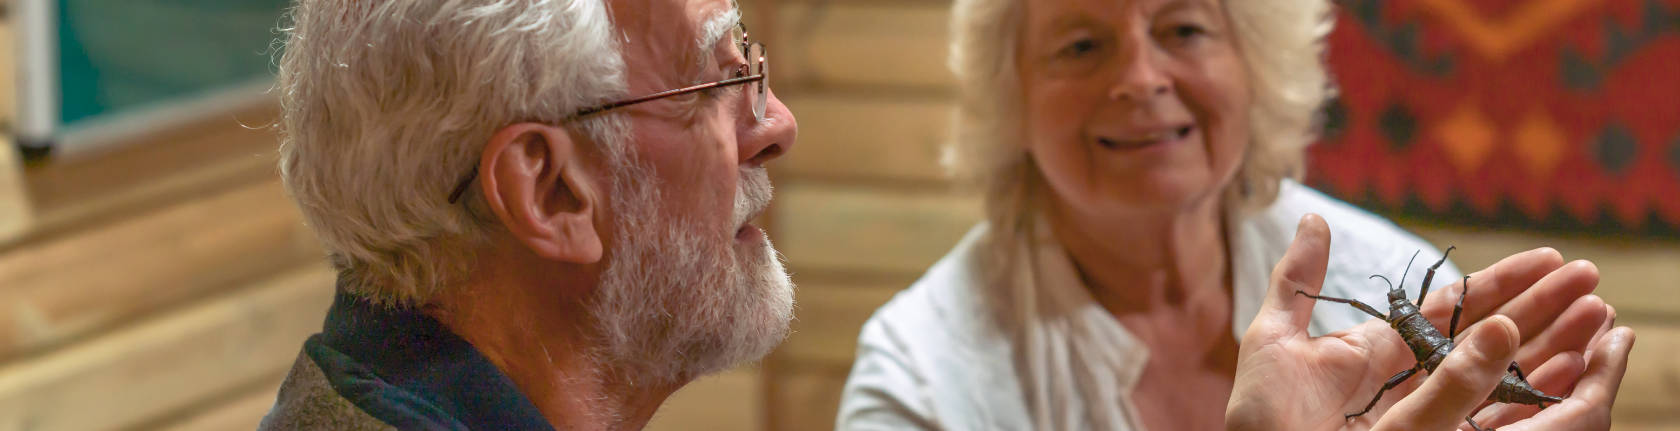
(752, 196)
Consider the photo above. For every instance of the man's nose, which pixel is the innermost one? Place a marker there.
(769, 139)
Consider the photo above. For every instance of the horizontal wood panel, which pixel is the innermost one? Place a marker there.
(1651, 388)
(8, 72)
(806, 400)
(847, 228)
(162, 365)
(1627, 425)
(243, 411)
(214, 143)
(65, 288)
(845, 136)
(728, 401)
(1640, 278)
(827, 322)
(860, 44)
(15, 214)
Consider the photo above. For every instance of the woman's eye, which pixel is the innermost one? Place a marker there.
(1078, 48)
(1187, 31)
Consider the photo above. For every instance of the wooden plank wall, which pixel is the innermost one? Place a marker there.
(168, 283)
(863, 207)
(14, 203)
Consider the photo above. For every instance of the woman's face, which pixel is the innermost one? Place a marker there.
(1132, 105)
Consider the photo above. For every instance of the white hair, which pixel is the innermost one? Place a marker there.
(1282, 47)
(388, 104)
(678, 300)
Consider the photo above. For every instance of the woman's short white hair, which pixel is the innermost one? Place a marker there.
(387, 105)
(1282, 47)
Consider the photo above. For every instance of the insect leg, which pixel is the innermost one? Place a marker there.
(1392, 382)
(1356, 304)
(1430, 274)
(1514, 368)
(1474, 426)
(1452, 331)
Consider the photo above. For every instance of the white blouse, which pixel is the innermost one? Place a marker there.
(942, 356)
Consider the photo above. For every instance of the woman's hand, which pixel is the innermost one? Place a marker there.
(1286, 380)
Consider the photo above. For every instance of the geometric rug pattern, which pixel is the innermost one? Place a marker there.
(1548, 113)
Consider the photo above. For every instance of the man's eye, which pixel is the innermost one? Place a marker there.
(718, 91)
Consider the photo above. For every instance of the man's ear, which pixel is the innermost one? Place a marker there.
(537, 186)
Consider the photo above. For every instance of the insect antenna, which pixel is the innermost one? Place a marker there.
(1408, 270)
(1384, 279)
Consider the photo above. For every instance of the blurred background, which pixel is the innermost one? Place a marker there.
(154, 276)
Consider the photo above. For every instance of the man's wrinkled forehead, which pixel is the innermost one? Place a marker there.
(675, 34)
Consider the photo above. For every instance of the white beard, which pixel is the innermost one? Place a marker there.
(679, 299)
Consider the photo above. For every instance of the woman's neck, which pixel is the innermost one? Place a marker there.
(1148, 261)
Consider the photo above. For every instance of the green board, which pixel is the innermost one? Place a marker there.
(116, 56)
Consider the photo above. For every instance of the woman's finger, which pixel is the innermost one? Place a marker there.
(1541, 304)
(1284, 312)
(1605, 369)
(1460, 383)
(1571, 331)
(1588, 406)
(1609, 322)
(1491, 287)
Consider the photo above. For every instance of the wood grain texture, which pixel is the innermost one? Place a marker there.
(237, 144)
(1639, 277)
(242, 411)
(868, 138)
(16, 214)
(1650, 391)
(8, 71)
(175, 360)
(897, 45)
(59, 290)
(727, 401)
(808, 400)
(828, 319)
(848, 228)
(1624, 425)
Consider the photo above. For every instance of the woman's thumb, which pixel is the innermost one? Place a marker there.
(1301, 270)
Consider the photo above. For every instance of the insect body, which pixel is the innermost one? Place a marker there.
(1429, 346)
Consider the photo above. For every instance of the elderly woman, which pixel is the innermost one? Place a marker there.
(1139, 162)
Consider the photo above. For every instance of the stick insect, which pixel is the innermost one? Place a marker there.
(1429, 346)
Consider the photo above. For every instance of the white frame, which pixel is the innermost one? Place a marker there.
(37, 80)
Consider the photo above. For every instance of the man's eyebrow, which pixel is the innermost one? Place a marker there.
(712, 31)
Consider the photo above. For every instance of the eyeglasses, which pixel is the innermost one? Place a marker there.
(755, 72)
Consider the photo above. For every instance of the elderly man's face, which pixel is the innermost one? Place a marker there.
(1133, 104)
(691, 287)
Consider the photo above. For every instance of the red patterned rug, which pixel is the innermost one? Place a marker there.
(1541, 113)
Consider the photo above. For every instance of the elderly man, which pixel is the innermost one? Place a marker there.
(539, 208)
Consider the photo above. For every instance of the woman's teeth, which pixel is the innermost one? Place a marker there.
(1143, 141)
